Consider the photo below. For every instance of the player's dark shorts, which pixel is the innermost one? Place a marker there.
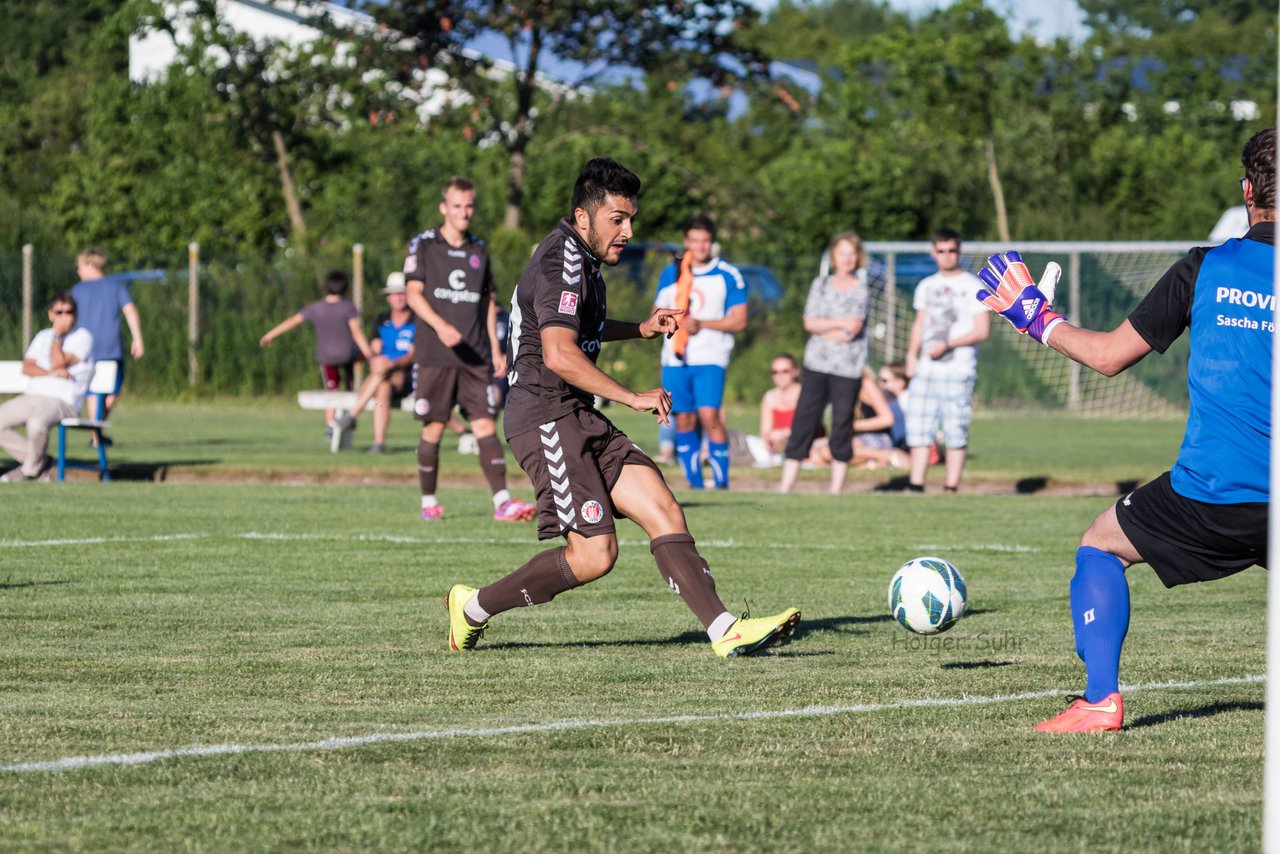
(337, 377)
(574, 463)
(1186, 540)
(439, 389)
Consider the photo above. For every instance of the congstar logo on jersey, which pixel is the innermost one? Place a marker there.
(455, 297)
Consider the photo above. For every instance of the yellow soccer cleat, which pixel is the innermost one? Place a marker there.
(749, 635)
(462, 635)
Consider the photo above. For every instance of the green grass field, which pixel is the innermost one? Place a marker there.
(275, 440)
(264, 667)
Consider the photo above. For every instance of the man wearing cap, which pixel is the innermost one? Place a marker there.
(389, 369)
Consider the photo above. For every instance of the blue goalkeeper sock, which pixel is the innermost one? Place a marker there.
(719, 454)
(1100, 615)
(689, 453)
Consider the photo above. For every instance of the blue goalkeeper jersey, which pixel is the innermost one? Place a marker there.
(1225, 294)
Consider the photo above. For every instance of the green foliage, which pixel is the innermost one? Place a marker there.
(1086, 145)
(815, 32)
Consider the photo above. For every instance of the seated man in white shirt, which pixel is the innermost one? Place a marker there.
(60, 364)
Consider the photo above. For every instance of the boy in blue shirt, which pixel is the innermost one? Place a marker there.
(100, 300)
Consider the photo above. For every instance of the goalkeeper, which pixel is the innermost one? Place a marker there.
(1207, 517)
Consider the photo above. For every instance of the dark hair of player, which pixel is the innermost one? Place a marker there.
(1259, 159)
(336, 283)
(700, 222)
(943, 235)
(457, 182)
(601, 177)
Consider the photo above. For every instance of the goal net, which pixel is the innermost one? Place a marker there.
(1101, 283)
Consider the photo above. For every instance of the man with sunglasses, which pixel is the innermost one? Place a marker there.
(942, 362)
(60, 365)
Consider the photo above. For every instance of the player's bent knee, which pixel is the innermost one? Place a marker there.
(592, 557)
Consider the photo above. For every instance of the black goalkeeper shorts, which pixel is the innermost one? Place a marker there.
(1186, 540)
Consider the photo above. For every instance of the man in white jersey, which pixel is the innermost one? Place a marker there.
(713, 296)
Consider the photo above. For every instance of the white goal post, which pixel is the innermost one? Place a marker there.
(1271, 738)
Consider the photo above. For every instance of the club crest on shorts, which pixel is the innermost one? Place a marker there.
(592, 512)
(568, 302)
(421, 407)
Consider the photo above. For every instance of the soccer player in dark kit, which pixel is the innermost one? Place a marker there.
(586, 471)
(455, 346)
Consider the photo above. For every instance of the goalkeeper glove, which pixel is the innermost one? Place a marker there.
(1008, 290)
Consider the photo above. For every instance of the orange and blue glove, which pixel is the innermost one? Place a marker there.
(1008, 290)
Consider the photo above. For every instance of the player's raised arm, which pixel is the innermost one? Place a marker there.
(562, 356)
(1008, 290)
(663, 321)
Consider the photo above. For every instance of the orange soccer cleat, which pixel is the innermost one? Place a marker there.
(1082, 716)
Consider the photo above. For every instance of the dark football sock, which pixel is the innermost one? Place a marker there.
(687, 573)
(428, 466)
(493, 463)
(540, 580)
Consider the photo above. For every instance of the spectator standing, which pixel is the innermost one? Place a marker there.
(339, 338)
(713, 297)
(100, 301)
(835, 357)
(456, 348)
(942, 361)
(60, 364)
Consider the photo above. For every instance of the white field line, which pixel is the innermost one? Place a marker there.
(72, 763)
(923, 548)
(91, 541)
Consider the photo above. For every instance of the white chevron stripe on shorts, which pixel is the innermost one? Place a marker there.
(559, 474)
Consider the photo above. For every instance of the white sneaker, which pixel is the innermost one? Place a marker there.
(467, 444)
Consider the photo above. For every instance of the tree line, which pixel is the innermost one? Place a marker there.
(950, 118)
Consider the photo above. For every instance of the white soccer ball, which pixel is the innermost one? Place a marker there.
(927, 595)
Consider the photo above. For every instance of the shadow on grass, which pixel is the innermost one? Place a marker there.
(1202, 712)
(847, 625)
(154, 471)
(974, 665)
(17, 585)
(694, 502)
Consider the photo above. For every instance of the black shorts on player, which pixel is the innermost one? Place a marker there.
(1186, 541)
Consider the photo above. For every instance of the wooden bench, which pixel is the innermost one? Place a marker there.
(103, 382)
(341, 401)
